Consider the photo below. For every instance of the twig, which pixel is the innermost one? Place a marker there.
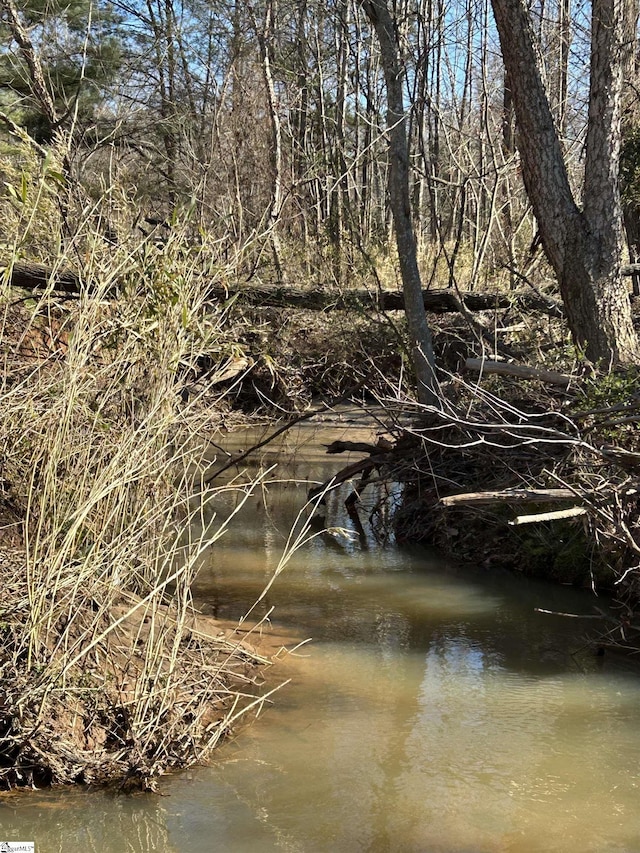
(326, 407)
(570, 615)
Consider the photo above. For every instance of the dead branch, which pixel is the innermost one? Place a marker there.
(549, 516)
(508, 496)
(358, 447)
(377, 456)
(364, 466)
(482, 365)
(571, 615)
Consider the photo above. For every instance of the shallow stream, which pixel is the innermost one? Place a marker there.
(434, 710)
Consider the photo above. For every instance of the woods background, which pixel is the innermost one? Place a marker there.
(269, 122)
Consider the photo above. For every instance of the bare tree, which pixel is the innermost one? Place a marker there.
(265, 41)
(421, 342)
(583, 245)
(630, 131)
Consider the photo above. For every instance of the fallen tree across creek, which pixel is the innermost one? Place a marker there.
(37, 277)
(29, 275)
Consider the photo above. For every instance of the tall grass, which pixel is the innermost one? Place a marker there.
(106, 673)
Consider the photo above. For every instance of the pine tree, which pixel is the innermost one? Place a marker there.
(78, 48)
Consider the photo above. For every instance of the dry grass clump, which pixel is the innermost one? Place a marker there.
(105, 675)
(124, 689)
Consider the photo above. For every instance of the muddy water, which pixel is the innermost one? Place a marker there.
(433, 711)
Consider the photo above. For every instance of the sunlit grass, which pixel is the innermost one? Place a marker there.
(106, 671)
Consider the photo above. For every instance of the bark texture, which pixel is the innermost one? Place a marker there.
(421, 342)
(583, 246)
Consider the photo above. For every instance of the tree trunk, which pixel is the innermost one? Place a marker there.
(564, 37)
(421, 343)
(162, 27)
(630, 122)
(583, 247)
(265, 36)
(300, 122)
(37, 81)
(29, 275)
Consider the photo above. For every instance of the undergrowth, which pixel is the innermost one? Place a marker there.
(108, 674)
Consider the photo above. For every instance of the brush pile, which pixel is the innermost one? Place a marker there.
(514, 472)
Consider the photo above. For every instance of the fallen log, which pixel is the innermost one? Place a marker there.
(28, 275)
(441, 301)
(482, 365)
(508, 496)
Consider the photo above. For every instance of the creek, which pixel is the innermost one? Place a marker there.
(434, 710)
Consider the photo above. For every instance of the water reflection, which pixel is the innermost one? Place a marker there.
(435, 711)
(440, 751)
(76, 821)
